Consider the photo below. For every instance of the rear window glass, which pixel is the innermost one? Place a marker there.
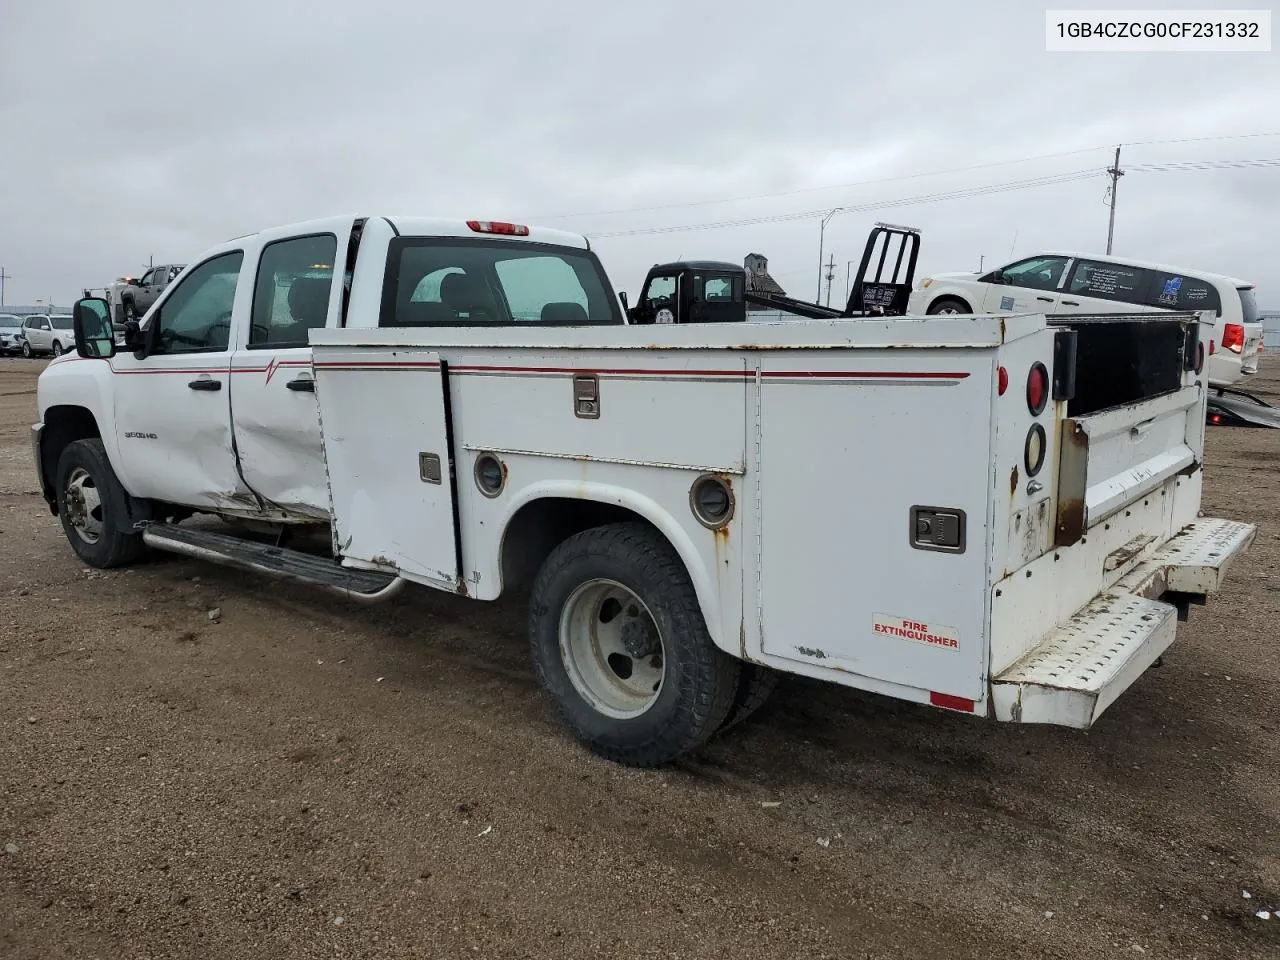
(446, 282)
(1249, 304)
(1179, 292)
(1109, 281)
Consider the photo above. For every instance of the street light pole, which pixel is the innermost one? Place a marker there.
(848, 279)
(822, 230)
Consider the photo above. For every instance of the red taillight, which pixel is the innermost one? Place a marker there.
(495, 226)
(1216, 418)
(1003, 381)
(1233, 337)
(1037, 388)
(1212, 347)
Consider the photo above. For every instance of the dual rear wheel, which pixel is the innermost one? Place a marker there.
(620, 643)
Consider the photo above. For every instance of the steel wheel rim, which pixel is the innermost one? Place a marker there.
(948, 310)
(612, 649)
(84, 506)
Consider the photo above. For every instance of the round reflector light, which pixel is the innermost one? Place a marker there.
(1003, 380)
(1034, 451)
(1037, 388)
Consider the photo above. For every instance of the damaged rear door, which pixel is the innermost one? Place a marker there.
(273, 401)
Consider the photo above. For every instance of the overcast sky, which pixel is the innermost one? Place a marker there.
(135, 129)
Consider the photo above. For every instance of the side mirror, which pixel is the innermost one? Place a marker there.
(997, 276)
(95, 336)
(622, 296)
(133, 337)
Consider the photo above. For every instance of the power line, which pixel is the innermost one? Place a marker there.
(1204, 165)
(895, 179)
(963, 193)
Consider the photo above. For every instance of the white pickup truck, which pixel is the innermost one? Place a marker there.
(994, 515)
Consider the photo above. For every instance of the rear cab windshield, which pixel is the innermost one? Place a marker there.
(448, 282)
(1249, 305)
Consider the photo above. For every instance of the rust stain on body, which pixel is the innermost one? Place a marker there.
(1013, 480)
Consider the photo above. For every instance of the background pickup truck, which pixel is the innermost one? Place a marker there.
(138, 295)
(996, 515)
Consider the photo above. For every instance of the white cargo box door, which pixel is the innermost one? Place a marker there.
(840, 583)
(391, 487)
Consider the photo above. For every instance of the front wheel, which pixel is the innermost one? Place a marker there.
(948, 305)
(92, 505)
(620, 643)
(26, 350)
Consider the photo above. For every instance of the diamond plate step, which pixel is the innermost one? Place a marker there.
(1083, 666)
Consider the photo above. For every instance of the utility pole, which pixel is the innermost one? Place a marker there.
(831, 275)
(1115, 173)
(3, 277)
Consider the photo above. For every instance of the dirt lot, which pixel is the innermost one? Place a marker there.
(307, 778)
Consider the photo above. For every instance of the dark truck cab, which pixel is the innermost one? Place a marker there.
(713, 291)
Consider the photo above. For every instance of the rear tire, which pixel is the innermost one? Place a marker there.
(949, 305)
(129, 312)
(57, 348)
(619, 641)
(755, 685)
(92, 506)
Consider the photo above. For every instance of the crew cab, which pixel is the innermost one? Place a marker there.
(1063, 284)
(992, 515)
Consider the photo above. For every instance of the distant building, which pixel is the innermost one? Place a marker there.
(1270, 327)
(21, 310)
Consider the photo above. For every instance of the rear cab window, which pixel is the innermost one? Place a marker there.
(450, 282)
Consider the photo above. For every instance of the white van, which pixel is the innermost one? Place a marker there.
(1057, 283)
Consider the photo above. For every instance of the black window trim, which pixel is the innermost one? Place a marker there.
(391, 280)
(157, 309)
(257, 276)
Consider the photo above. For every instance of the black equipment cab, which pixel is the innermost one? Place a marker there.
(711, 291)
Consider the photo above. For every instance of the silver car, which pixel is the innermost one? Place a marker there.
(47, 334)
(10, 334)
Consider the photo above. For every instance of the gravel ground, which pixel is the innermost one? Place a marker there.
(300, 777)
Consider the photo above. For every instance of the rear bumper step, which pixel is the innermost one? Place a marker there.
(367, 586)
(1084, 665)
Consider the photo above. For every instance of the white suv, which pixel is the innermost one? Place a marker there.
(47, 334)
(1058, 283)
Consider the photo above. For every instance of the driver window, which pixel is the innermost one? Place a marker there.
(1038, 273)
(661, 291)
(196, 317)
